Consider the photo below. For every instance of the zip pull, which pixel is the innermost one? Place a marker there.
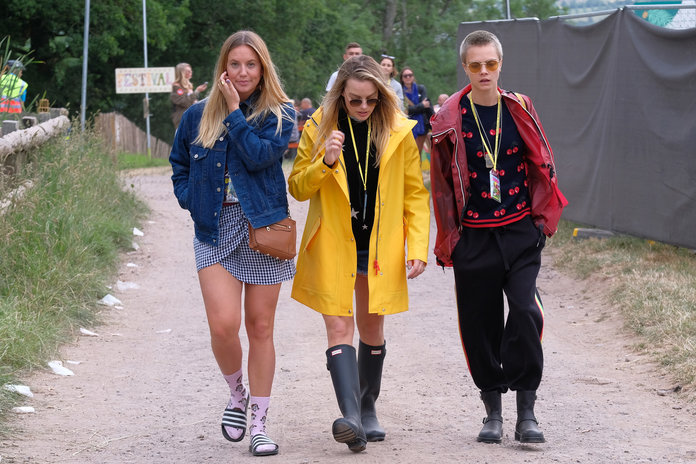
(376, 266)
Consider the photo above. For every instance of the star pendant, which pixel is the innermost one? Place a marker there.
(353, 213)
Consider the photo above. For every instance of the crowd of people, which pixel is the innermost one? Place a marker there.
(357, 160)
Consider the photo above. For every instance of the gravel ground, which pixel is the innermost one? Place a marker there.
(148, 390)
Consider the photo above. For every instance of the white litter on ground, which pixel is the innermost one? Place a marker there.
(23, 410)
(110, 300)
(88, 333)
(165, 331)
(74, 362)
(21, 389)
(137, 232)
(122, 286)
(135, 246)
(132, 265)
(59, 369)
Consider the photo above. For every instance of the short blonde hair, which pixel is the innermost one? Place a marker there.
(271, 97)
(477, 39)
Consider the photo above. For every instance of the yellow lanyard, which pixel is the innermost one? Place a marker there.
(367, 152)
(494, 155)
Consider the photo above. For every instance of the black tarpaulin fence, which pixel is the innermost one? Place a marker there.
(618, 102)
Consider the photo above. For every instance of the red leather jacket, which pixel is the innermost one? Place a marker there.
(449, 173)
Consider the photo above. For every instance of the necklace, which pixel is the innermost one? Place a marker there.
(363, 178)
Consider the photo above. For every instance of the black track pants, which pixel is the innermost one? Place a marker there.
(487, 263)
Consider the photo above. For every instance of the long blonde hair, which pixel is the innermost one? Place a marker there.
(271, 96)
(383, 117)
(179, 78)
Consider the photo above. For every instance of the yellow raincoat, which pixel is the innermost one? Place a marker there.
(327, 259)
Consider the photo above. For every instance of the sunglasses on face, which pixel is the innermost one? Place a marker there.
(475, 66)
(406, 75)
(357, 102)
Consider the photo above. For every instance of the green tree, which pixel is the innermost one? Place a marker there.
(306, 40)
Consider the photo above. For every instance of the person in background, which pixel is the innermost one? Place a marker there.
(295, 135)
(440, 101)
(13, 90)
(352, 49)
(306, 111)
(417, 105)
(183, 94)
(496, 199)
(359, 167)
(388, 65)
(227, 172)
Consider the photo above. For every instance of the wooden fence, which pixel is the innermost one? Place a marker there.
(124, 136)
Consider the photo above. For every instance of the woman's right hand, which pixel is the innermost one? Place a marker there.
(334, 146)
(201, 88)
(229, 92)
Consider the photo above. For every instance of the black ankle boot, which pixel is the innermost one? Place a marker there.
(341, 362)
(370, 362)
(527, 429)
(492, 431)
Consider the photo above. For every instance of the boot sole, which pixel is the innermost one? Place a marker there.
(343, 432)
(495, 441)
(522, 439)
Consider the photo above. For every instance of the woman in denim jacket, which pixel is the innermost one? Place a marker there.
(226, 161)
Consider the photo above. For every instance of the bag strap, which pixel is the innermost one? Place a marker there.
(519, 97)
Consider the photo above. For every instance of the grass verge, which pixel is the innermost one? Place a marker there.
(137, 160)
(59, 248)
(652, 284)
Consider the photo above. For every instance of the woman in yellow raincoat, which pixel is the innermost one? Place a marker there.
(359, 166)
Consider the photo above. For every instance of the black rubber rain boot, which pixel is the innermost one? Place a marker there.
(492, 431)
(527, 429)
(370, 362)
(341, 362)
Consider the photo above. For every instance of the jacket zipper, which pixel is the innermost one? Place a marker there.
(551, 166)
(379, 219)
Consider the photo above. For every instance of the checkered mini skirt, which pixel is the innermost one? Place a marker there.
(234, 254)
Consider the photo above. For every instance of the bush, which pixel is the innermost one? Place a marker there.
(59, 247)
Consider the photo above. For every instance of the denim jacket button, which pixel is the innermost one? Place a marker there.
(221, 138)
(219, 165)
(195, 156)
(218, 189)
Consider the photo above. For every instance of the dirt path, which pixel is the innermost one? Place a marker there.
(148, 389)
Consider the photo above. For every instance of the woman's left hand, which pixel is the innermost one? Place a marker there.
(415, 268)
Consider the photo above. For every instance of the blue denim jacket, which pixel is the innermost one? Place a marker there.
(253, 154)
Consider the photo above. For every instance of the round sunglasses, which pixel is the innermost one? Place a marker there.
(475, 66)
